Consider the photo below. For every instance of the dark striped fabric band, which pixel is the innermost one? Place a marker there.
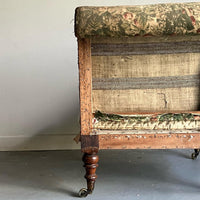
(145, 82)
(110, 49)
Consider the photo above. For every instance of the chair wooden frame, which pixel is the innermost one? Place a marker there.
(90, 143)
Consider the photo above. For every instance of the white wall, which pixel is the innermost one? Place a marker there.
(39, 106)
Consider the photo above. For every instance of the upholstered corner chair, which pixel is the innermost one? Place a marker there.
(139, 73)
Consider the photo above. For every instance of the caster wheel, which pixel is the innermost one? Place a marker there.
(83, 192)
(193, 156)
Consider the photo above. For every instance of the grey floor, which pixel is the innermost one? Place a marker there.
(123, 174)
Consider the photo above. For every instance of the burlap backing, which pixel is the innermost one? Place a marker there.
(145, 65)
(154, 82)
(167, 99)
(147, 39)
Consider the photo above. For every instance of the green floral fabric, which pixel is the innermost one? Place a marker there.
(146, 20)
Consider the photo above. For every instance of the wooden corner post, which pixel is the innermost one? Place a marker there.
(89, 143)
(85, 85)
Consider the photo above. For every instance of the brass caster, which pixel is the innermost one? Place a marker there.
(193, 156)
(83, 192)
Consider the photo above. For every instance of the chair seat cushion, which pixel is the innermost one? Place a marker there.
(163, 121)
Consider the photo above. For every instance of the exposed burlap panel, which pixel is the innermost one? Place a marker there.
(153, 65)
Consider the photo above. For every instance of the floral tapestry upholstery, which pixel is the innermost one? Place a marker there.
(162, 121)
(145, 20)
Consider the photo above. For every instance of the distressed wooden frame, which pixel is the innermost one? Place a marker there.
(92, 139)
(85, 85)
(88, 143)
(150, 141)
(118, 141)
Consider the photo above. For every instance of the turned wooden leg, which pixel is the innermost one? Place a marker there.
(90, 163)
(195, 154)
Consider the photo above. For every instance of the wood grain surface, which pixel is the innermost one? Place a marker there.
(149, 141)
(85, 85)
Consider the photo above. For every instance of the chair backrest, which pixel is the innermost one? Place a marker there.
(144, 58)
